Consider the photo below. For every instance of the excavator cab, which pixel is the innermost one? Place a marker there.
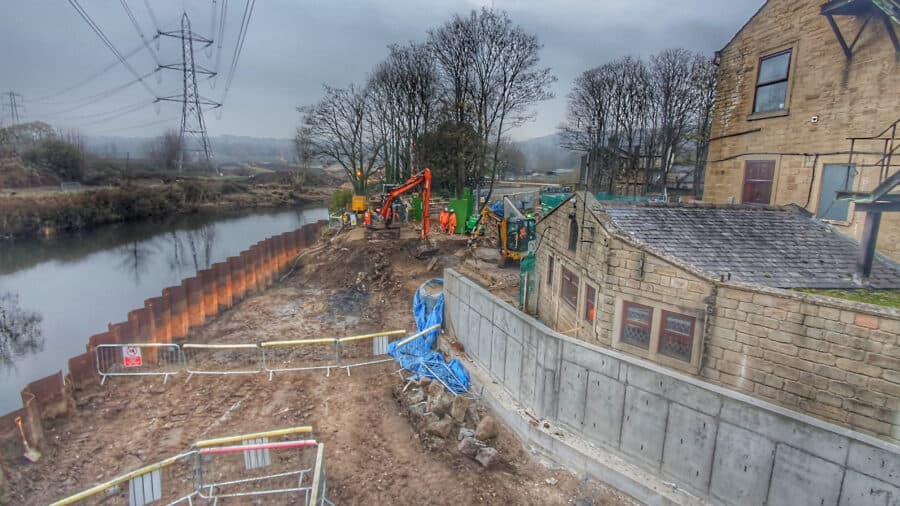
(519, 232)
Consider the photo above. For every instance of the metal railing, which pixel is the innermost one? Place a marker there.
(222, 359)
(152, 359)
(138, 359)
(217, 469)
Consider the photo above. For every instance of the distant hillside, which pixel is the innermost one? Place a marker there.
(544, 153)
(226, 148)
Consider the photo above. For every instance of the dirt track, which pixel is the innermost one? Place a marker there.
(373, 455)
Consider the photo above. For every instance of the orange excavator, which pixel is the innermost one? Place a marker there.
(422, 178)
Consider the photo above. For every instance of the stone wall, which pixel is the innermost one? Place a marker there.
(163, 319)
(722, 446)
(849, 98)
(833, 359)
(830, 358)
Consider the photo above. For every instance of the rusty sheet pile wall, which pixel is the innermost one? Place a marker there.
(164, 319)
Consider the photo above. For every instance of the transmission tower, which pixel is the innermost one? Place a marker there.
(193, 136)
(13, 106)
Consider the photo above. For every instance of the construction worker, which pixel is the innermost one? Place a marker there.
(445, 220)
(451, 229)
(367, 217)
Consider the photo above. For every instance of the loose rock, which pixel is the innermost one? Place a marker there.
(486, 456)
(440, 428)
(487, 429)
(440, 403)
(465, 432)
(459, 407)
(469, 446)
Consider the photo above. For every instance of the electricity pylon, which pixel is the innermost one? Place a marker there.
(193, 136)
(13, 105)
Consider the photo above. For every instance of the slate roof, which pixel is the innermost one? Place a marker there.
(778, 247)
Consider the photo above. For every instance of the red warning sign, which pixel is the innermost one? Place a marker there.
(132, 357)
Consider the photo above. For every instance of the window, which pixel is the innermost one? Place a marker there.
(590, 296)
(676, 336)
(772, 83)
(568, 289)
(636, 321)
(550, 271)
(835, 178)
(758, 176)
(573, 234)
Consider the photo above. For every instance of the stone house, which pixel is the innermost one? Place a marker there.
(807, 105)
(708, 291)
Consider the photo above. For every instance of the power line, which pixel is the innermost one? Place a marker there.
(140, 32)
(171, 119)
(152, 16)
(88, 79)
(86, 17)
(239, 46)
(220, 37)
(97, 97)
(113, 112)
(129, 110)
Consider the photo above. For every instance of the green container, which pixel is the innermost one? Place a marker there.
(416, 203)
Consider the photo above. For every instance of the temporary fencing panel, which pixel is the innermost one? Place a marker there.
(300, 355)
(260, 464)
(254, 468)
(319, 495)
(222, 358)
(170, 481)
(326, 353)
(138, 359)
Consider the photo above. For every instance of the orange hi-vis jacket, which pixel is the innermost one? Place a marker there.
(452, 223)
(445, 219)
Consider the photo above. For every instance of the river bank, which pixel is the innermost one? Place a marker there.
(36, 213)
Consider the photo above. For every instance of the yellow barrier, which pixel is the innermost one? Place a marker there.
(121, 479)
(269, 433)
(205, 443)
(389, 333)
(299, 342)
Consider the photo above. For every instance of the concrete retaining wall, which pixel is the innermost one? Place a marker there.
(721, 446)
(161, 320)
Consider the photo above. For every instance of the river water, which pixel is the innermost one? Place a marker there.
(56, 293)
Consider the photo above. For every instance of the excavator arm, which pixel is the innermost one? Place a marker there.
(422, 178)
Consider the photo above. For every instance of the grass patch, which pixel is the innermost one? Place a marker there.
(887, 298)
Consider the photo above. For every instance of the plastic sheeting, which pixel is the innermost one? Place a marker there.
(418, 356)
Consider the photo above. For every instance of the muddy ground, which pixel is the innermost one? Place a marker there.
(355, 282)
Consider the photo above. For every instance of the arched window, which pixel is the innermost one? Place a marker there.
(573, 234)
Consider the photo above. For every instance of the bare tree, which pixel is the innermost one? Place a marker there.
(490, 69)
(704, 84)
(165, 149)
(341, 130)
(675, 99)
(303, 150)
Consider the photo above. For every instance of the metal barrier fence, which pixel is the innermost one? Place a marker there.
(215, 470)
(151, 359)
(221, 359)
(138, 359)
(325, 353)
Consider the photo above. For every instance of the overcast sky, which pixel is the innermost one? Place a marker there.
(294, 46)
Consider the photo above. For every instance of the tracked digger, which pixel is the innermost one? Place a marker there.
(422, 179)
(515, 231)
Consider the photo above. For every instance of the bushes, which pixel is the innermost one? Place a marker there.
(62, 158)
(339, 200)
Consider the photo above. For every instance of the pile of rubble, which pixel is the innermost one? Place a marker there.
(438, 415)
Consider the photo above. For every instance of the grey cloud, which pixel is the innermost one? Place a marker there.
(294, 46)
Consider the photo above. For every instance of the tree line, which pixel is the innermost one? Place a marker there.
(634, 119)
(446, 103)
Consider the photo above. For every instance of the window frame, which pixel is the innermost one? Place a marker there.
(786, 80)
(651, 353)
(592, 300)
(771, 181)
(663, 333)
(573, 235)
(550, 270)
(625, 322)
(562, 287)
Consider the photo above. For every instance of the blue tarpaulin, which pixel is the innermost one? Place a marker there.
(497, 208)
(418, 356)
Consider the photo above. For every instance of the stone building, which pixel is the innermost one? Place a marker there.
(795, 84)
(709, 291)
